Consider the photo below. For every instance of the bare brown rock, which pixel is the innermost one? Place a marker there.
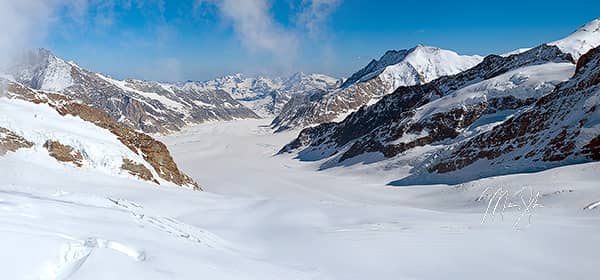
(139, 170)
(592, 149)
(64, 153)
(559, 148)
(153, 151)
(11, 142)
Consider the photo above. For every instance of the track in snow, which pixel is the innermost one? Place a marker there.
(73, 255)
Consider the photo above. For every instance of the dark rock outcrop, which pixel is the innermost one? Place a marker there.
(11, 142)
(561, 128)
(64, 153)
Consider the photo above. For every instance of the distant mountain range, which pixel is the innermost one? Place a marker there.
(157, 107)
(152, 107)
(518, 112)
(266, 96)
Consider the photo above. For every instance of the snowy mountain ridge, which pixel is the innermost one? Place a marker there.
(436, 114)
(418, 65)
(562, 128)
(414, 66)
(149, 106)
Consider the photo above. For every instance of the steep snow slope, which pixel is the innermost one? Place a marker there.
(42, 70)
(380, 77)
(581, 41)
(40, 123)
(529, 82)
(266, 96)
(149, 106)
(73, 134)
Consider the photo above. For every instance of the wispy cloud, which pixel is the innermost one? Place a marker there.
(26, 22)
(253, 22)
(22, 22)
(256, 27)
(315, 13)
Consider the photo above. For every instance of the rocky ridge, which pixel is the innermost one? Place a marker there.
(401, 121)
(415, 66)
(148, 106)
(148, 152)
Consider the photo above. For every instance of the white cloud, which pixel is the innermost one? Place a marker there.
(315, 13)
(25, 23)
(21, 21)
(257, 29)
(253, 22)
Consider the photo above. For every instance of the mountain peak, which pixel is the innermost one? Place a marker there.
(582, 40)
(593, 25)
(42, 52)
(41, 69)
(424, 47)
(438, 61)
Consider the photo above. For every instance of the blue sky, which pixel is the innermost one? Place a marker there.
(203, 39)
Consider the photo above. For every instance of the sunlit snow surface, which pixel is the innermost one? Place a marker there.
(581, 41)
(273, 217)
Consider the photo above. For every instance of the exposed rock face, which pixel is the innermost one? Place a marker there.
(563, 127)
(139, 170)
(11, 142)
(322, 106)
(153, 151)
(148, 106)
(64, 153)
(415, 66)
(440, 110)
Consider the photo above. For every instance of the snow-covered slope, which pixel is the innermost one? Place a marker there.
(65, 134)
(149, 106)
(301, 224)
(415, 66)
(322, 219)
(266, 96)
(581, 41)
